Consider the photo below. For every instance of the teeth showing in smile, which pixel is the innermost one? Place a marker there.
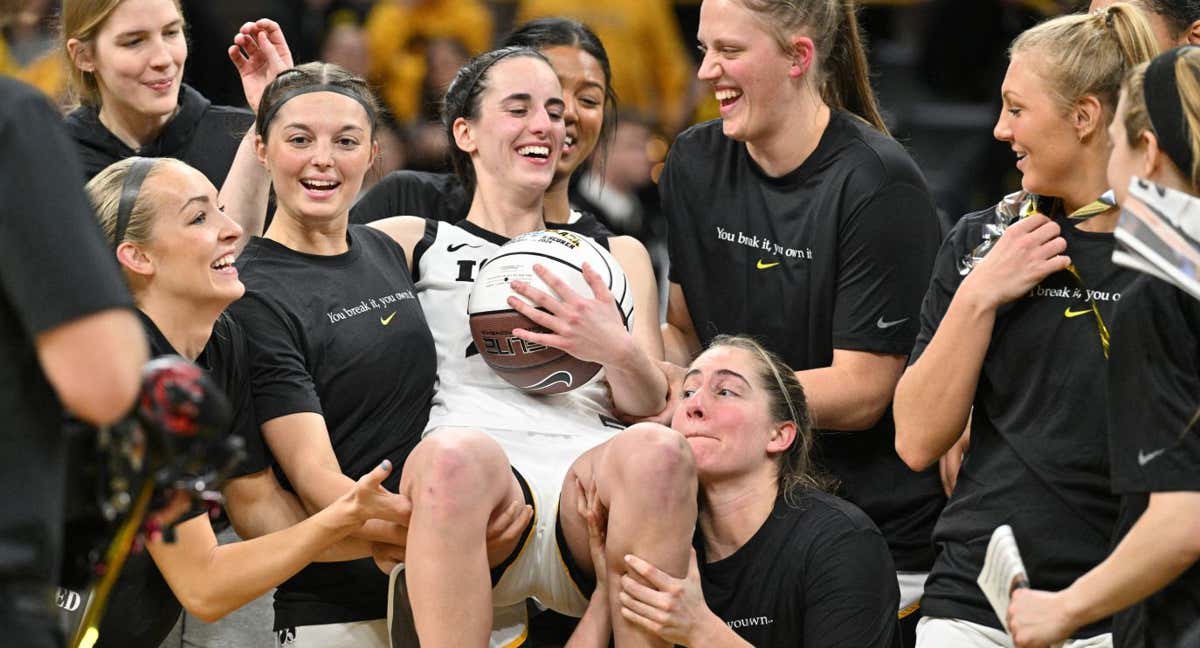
(728, 94)
(223, 262)
(541, 152)
(319, 185)
(569, 141)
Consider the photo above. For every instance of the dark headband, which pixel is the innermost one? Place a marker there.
(130, 188)
(1165, 109)
(313, 87)
(501, 54)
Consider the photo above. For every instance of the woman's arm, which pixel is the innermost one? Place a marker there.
(260, 53)
(1163, 543)
(948, 370)
(405, 230)
(212, 580)
(679, 333)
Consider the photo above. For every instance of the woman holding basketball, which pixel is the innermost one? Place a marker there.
(176, 249)
(487, 443)
(1151, 581)
(795, 218)
(1014, 335)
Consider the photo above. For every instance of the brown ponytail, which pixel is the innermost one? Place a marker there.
(841, 68)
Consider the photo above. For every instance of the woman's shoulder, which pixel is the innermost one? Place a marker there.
(705, 136)
(874, 156)
(824, 515)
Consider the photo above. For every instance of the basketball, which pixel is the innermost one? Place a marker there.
(531, 367)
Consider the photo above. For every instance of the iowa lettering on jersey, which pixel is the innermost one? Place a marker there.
(466, 269)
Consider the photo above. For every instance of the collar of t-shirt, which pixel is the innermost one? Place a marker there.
(174, 138)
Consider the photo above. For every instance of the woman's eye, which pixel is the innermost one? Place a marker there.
(517, 112)
(589, 102)
(687, 393)
(298, 140)
(199, 218)
(348, 142)
(1014, 111)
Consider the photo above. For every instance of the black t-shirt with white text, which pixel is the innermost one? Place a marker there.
(835, 254)
(1153, 402)
(816, 574)
(345, 337)
(1037, 459)
(54, 268)
(141, 608)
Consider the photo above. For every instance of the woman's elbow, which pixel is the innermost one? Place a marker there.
(207, 606)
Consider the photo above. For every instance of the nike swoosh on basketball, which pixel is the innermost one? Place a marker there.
(1071, 313)
(387, 320)
(762, 265)
(883, 325)
(1146, 457)
(455, 247)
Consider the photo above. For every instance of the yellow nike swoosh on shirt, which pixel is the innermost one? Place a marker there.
(763, 265)
(1073, 313)
(387, 320)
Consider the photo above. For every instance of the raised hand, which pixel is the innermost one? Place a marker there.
(260, 53)
(589, 328)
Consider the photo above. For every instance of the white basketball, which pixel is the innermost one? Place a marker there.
(560, 251)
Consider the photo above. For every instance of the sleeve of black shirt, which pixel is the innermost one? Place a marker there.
(670, 207)
(235, 360)
(54, 265)
(849, 591)
(279, 376)
(379, 202)
(886, 250)
(942, 286)
(1154, 390)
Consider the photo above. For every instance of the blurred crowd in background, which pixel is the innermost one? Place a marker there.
(937, 65)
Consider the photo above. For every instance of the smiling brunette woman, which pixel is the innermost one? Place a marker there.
(342, 361)
(1014, 338)
(488, 444)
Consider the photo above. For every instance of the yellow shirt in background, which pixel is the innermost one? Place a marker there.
(396, 31)
(651, 69)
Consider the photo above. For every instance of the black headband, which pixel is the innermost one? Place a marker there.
(1165, 109)
(501, 54)
(313, 87)
(130, 188)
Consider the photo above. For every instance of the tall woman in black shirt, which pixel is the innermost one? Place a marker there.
(1154, 395)
(1014, 334)
(779, 562)
(797, 218)
(176, 249)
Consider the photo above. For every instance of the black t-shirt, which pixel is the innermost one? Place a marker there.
(142, 609)
(1153, 401)
(54, 268)
(1037, 460)
(201, 134)
(342, 336)
(440, 197)
(817, 574)
(835, 254)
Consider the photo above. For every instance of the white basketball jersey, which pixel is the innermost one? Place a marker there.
(469, 393)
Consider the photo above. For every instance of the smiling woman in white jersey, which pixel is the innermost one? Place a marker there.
(487, 443)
